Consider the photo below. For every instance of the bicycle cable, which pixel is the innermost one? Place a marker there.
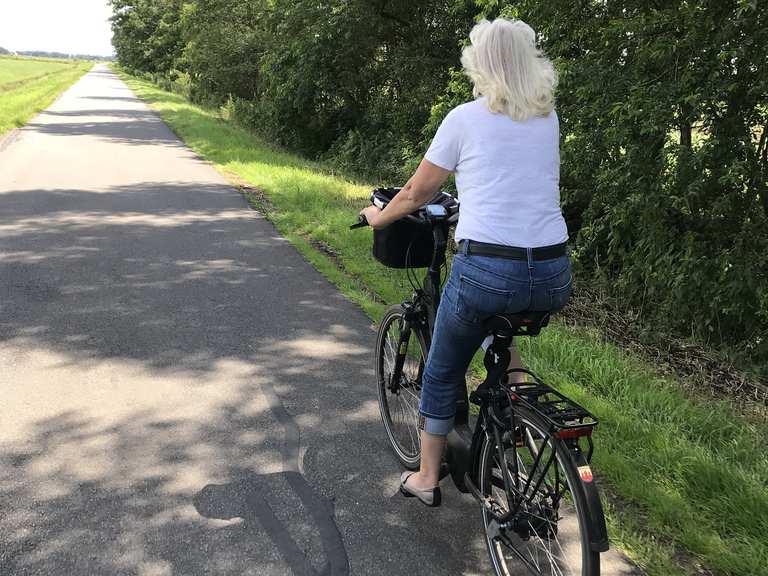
(409, 271)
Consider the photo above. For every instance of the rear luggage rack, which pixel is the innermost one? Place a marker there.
(570, 419)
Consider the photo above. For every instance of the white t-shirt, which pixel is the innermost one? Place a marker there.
(507, 175)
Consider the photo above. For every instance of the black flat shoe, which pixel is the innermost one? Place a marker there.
(430, 497)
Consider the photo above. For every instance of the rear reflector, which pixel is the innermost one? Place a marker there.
(575, 432)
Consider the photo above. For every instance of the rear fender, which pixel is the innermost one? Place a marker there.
(598, 533)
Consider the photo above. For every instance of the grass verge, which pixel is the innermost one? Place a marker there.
(686, 477)
(29, 86)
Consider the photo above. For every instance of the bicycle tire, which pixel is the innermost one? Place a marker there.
(588, 563)
(399, 410)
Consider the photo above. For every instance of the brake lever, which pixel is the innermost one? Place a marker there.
(362, 222)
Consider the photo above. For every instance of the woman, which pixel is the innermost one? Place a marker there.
(504, 150)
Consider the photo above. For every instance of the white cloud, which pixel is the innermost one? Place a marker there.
(69, 26)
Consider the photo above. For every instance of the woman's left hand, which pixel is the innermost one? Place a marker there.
(371, 214)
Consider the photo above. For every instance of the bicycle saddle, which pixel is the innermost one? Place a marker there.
(526, 323)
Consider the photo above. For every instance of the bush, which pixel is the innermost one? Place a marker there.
(662, 109)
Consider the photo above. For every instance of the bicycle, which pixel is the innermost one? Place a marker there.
(526, 458)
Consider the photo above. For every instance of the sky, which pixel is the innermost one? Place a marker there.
(68, 26)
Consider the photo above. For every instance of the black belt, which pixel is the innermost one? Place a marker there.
(511, 252)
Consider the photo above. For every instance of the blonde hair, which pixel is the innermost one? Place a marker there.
(506, 67)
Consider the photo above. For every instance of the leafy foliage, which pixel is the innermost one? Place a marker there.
(147, 34)
(663, 109)
(664, 156)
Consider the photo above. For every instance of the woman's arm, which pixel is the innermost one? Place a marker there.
(419, 189)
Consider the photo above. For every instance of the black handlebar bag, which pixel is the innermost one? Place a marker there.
(404, 243)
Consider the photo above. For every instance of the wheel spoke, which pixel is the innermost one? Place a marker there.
(555, 542)
(399, 400)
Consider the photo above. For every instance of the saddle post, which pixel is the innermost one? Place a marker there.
(464, 440)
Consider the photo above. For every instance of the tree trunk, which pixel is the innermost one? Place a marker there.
(685, 125)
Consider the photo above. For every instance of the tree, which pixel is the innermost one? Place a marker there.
(662, 109)
(147, 34)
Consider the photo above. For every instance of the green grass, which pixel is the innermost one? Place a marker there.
(687, 476)
(20, 69)
(28, 86)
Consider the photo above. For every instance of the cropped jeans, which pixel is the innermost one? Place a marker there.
(479, 287)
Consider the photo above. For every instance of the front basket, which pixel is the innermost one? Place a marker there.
(403, 244)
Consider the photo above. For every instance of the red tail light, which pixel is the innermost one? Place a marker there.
(575, 432)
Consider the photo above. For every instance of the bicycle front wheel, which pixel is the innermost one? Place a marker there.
(548, 533)
(399, 395)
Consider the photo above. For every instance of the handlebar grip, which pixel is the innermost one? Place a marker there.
(362, 222)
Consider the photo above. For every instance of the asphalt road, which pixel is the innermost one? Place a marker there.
(181, 393)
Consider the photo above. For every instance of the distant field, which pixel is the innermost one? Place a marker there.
(29, 85)
(22, 70)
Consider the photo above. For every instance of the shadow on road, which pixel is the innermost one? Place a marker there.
(134, 115)
(151, 131)
(114, 98)
(275, 473)
(124, 278)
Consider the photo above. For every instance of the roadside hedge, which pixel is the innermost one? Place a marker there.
(663, 109)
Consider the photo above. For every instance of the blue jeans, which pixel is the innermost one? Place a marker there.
(479, 287)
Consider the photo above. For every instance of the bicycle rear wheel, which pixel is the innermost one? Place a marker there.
(399, 397)
(549, 534)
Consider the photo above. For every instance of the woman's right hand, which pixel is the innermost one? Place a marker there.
(371, 214)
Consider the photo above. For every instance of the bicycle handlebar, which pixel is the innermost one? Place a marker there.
(419, 217)
(362, 222)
